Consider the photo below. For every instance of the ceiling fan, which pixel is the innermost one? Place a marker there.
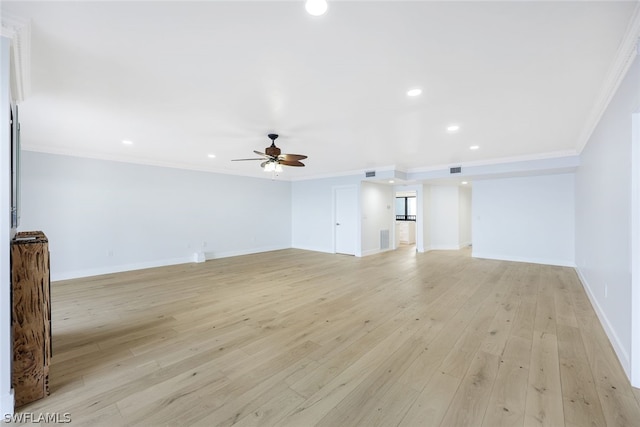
(273, 159)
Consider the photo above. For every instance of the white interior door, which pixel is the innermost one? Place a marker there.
(346, 214)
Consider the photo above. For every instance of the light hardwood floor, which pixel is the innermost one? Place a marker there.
(297, 338)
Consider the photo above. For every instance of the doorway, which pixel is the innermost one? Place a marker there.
(406, 209)
(345, 219)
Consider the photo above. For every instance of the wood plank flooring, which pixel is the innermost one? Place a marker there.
(297, 338)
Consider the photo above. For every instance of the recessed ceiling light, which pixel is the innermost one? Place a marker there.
(127, 142)
(391, 181)
(464, 182)
(211, 156)
(414, 92)
(316, 7)
(474, 147)
(453, 128)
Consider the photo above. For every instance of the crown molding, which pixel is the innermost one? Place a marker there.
(354, 173)
(86, 154)
(18, 30)
(554, 155)
(627, 52)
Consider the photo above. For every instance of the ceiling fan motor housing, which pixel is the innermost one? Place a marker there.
(272, 151)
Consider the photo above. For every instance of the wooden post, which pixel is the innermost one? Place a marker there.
(31, 316)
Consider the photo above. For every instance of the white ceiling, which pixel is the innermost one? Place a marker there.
(186, 79)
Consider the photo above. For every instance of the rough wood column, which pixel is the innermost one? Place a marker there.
(31, 314)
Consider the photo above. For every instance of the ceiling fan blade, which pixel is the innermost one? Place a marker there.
(291, 163)
(291, 157)
(259, 153)
(263, 164)
(242, 160)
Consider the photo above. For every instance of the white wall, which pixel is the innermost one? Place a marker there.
(6, 395)
(445, 226)
(103, 216)
(464, 216)
(312, 212)
(377, 213)
(603, 222)
(635, 252)
(528, 219)
(424, 218)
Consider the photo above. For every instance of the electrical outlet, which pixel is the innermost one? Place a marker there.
(110, 252)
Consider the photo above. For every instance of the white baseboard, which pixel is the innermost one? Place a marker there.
(532, 260)
(623, 355)
(228, 254)
(55, 276)
(7, 404)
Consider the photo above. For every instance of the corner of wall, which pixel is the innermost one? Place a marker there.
(623, 356)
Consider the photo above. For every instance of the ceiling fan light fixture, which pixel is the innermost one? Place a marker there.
(273, 167)
(316, 7)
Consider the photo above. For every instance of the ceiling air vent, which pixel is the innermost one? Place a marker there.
(370, 174)
(457, 169)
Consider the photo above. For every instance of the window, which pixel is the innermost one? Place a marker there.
(406, 208)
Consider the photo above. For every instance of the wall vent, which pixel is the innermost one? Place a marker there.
(384, 239)
(370, 174)
(457, 169)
